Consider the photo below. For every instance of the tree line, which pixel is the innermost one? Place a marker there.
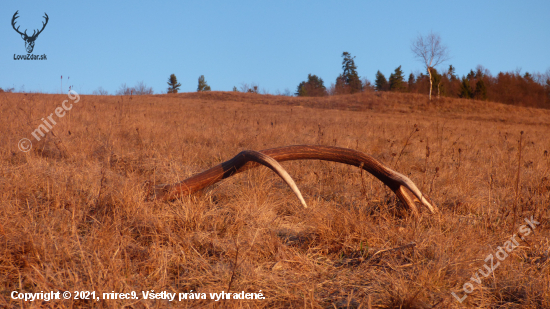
(515, 88)
(528, 89)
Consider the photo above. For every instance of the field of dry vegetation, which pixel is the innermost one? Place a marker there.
(74, 217)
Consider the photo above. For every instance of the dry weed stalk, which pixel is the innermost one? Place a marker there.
(517, 178)
(414, 130)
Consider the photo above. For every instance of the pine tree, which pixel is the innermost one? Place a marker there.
(465, 91)
(341, 87)
(411, 82)
(301, 90)
(381, 84)
(203, 86)
(481, 90)
(479, 72)
(451, 73)
(314, 87)
(396, 80)
(173, 84)
(350, 75)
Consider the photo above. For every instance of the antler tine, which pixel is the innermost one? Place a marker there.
(14, 17)
(252, 156)
(394, 180)
(277, 168)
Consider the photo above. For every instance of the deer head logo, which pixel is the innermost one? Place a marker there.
(29, 40)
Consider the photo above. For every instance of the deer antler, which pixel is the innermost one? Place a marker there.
(242, 158)
(395, 181)
(34, 33)
(13, 24)
(43, 25)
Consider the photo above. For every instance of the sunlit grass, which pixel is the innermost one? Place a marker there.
(79, 221)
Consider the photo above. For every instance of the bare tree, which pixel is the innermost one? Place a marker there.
(367, 85)
(430, 51)
(287, 92)
(141, 88)
(254, 88)
(245, 87)
(331, 90)
(250, 88)
(123, 90)
(7, 90)
(100, 91)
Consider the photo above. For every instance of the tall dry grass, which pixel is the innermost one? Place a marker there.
(74, 216)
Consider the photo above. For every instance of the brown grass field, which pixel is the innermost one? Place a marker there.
(74, 214)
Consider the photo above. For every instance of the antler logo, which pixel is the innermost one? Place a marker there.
(29, 40)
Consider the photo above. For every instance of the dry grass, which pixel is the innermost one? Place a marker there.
(73, 215)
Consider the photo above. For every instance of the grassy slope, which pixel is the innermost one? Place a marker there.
(73, 215)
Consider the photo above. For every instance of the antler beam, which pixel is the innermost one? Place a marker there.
(47, 18)
(243, 161)
(13, 23)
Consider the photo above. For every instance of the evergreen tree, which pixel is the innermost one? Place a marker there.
(341, 87)
(481, 90)
(235, 89)
(479, 72)
(301, 90)
(173, 84)
(350, 75)
(381, 84)
(465, 91)
(396, 80)
(411, 81)
(203, 86)
(451, 73)
(314, 87)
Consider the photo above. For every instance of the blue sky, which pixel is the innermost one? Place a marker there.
(274, 44)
